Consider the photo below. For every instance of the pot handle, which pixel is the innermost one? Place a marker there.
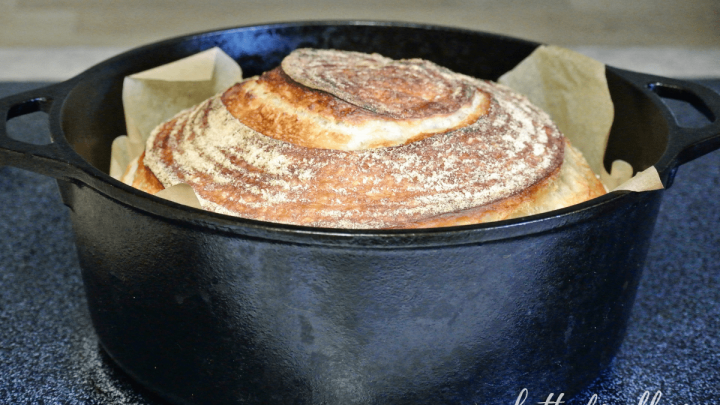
(684, 144)
(56, 159)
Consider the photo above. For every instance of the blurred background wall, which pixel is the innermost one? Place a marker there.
(107, 26)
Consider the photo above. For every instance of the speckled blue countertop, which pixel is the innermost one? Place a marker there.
(49, 353)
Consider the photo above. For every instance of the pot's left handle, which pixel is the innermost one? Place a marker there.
(56, 159)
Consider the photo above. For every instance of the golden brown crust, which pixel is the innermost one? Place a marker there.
(571, 184)
(144, 178)
(397, 89)
(276, 106)
(509, 161)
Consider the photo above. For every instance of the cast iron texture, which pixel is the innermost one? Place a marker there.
(209, 317)
(203, 308)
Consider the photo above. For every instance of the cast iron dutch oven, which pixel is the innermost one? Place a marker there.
(208, 309)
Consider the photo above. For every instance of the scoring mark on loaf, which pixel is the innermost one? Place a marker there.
(326, 116)
(408, 88)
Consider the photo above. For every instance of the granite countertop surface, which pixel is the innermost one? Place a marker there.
(49, 353)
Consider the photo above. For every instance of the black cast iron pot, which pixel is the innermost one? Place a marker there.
(207, 309)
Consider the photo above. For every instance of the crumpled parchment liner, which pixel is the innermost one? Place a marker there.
(569, 86)
(181, 193)
(572, 88)
(156, 95)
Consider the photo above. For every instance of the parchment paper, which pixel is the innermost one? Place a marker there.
(572, 88)
(156, 95)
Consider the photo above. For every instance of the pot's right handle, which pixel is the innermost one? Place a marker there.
(56, 159)
(684, 144)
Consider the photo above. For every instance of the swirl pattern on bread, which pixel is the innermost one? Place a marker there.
(349, 140)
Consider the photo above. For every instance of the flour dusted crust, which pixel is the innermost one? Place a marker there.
(349, 140)
(314, 100)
